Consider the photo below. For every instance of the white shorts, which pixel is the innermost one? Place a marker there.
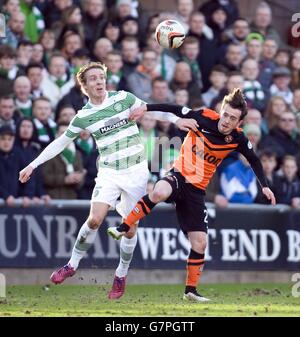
(130, 186)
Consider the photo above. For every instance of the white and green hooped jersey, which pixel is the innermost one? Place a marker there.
(117, 138)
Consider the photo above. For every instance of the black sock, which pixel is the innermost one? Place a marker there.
(123, 228)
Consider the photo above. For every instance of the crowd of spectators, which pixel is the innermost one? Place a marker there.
(47, 41)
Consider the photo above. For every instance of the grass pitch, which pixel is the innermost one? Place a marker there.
(150, 300)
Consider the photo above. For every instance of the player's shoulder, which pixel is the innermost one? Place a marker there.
(241, 138)
(86, 106)
(209, 114)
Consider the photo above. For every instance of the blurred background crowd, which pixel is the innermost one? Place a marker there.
(47, 41)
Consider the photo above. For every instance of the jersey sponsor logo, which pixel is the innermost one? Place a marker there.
(114, 126)
(211, 159)
(228, 139)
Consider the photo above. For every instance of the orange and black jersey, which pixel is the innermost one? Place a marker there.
(204, 150)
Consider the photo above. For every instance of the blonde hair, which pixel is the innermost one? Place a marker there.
(80, 76)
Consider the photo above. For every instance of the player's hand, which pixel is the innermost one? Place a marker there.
(138, 113)
(187, 124)
(269, 194)
(25, 174)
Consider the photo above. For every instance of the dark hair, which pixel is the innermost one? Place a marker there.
(236, 100)
(7, 51)
(159, 79)
(33, 65)
(18, 127)
(220, 69)
(269, 153)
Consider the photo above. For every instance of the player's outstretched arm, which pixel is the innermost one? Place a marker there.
(173, 113)
(52, 150)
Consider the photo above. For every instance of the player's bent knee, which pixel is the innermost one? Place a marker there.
(95, 221)
(158, 196)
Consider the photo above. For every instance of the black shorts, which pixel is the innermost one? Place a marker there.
(189, 200)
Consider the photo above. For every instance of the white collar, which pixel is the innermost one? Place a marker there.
(97, 106)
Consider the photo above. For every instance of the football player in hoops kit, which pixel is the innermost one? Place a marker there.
(123, 170)
(202, 151)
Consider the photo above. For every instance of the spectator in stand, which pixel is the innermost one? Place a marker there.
(8, 69)
(181, 97)
(235, 80)
(115, 77)
(37, 55)
(22, 93)
(8, 113)
(218, 78)
(207, 43)
(262, 23)
(80, 58)
(44, 124)
(282, 57)
(289, 185)
(47, 40)
(269, 164)
(276, 107)
(57, 82)
(184, 9)
(281, 82)
(101, 49)
(64, 175)
(230, 6)
(254, 43)
(112, 32)
(236, 35)
(94, 20)
(72, 41)
(34, 72)
(254, 117)
(295, 107)
(65, 114)
(253, 90)
(284, 138)
(15, 30)
(24, 55)
(295, 68)
(253, 133)
(267, 64)
(130, 27)
(10, 165)
(9, 7)
(29, 151)
(75, 98)
(160, 91)
(34, 23)
(233, 57)
(71, 16)
(218, 22)
(189, 53)
(53, 11)
(140, 81)
(130, 53)
(183, 80)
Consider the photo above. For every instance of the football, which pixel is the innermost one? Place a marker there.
(170, 34)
